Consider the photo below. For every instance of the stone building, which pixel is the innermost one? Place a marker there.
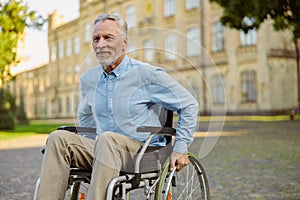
(227, 70)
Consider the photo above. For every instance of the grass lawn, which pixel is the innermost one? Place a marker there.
(31, 129)
(43, 127)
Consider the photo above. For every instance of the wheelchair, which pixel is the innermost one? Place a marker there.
(151, 178)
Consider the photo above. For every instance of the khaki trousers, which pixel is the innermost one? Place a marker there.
(106, 156)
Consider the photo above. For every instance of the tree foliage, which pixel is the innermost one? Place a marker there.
(15, 15)
(284, 13)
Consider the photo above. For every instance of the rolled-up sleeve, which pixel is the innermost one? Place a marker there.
(175, 97)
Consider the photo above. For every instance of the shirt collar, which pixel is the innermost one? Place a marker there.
(118, 70)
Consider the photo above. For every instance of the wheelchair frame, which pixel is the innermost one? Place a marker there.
(158, 183)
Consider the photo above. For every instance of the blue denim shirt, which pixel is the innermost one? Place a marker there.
(131, 96)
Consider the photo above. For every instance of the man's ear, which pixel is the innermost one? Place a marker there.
(125, 44)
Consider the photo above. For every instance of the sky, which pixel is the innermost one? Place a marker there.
(34, 50)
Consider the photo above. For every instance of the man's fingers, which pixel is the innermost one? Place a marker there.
(172, 165)
(179, 160)
(181, 164)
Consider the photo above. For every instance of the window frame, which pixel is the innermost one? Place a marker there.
(148, 51)
(218, 37)
(76, 45)
(170, 47)
(193, 44)
(248, 86)
(169, 8)
(131, 17)
(192, 4)
(218, 92)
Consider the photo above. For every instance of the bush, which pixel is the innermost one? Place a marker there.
(7, 107)
(6, 121)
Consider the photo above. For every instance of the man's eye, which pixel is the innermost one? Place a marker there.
(96, 39)
(109, 38)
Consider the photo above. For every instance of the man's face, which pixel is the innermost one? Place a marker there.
(108, 43)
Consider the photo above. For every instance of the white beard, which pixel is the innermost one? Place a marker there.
(109, 61)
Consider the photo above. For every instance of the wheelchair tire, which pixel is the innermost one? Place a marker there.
(189, 183)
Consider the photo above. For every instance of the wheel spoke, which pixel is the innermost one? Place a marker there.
(191, 183)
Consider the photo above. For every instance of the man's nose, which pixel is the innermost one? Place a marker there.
(101, 43)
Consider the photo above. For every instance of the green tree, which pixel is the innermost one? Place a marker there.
(15, 15)
(284, 13)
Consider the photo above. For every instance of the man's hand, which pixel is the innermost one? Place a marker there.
(179, 160)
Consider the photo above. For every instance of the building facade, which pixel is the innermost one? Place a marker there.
(228, 71)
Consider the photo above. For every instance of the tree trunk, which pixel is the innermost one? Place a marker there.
(298, 73)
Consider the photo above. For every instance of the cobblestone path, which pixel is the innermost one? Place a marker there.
(251, 160)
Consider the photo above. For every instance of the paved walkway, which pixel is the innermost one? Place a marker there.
(256, 160)
(32, 141)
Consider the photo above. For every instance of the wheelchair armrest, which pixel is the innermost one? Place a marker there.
(77, 129)
(84, 131)
(158, 130)
(168, 131)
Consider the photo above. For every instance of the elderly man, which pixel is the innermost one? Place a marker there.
(116, 97)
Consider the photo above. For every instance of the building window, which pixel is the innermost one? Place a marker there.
(60, 50)
(45, 108)
(60, 105)
(169, 8)
(218, 34)
(130, 17)
(77, 68)
(248, 39)
(87, 32)
(77, 45)
(41, 84)
(68, 105)
(248, 86)
(191, 4)
(170, 47)
(218, 89)
(148, 51)
(68, 48)
(53, 53)
(193, 42)
(53, 106)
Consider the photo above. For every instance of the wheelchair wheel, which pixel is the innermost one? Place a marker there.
(189, 183)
